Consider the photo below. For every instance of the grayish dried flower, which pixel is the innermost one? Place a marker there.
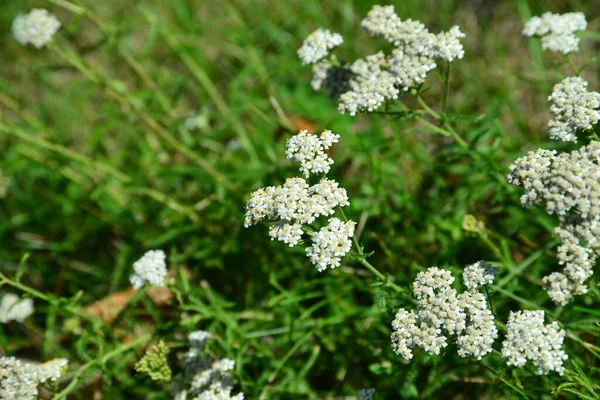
(203, 378)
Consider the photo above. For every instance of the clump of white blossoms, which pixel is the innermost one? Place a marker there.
(38, 27)
(151, 268)
(13, 308)
(366, 84)
(20, 380)
(557, 31)
(573, 109)
(442, 314)
(318, 44)
(568, 184)
(528, 339)
(309, 151)
(296, 204)
(202, 377)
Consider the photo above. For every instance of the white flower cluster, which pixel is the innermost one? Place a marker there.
(36, 28)
(13, 308)
(479, 274)
(20, 380)
(528, 339)
(568, 184)
(573, 109)
(151, 268)
(202, 377)
(441, 313)
(297, 203)
(369, 82)
(557, 31)
(309, 151)
(317, 45)
(331, 243)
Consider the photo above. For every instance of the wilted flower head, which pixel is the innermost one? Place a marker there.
(203, 377)
(317, 45)
(13, 308)
(567, 184)
(151, 268)
(528, 339)
(20, 380)
(36, 28)
(573, 109)
(366, 394)
(557, 31)
(441, 314)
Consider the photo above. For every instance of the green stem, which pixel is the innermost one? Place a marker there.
(367, 264)
(107, 357)
(446, 87)
(448, 128)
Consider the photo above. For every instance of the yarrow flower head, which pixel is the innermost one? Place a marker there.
(441, 314)
(13, 308)
(20, 380)
(202, 376)
(151, 268)
(573, 109)
(557, 31)
(297, 203)
(479, 274)
(309, 151)
(38, 27)
(372, 80)
(317, 45)
(528, 339)
(568, 184)
(331, 243)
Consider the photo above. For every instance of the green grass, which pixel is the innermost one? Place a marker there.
(100, 168)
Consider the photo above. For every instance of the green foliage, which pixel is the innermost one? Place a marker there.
(97, 166)
(155, 363)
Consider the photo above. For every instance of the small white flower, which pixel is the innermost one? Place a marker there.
(13, 308)
(331, 243)
(441, 314)
(479, 274)
(528, 339)
(151, 268)
(567, 184)
(317, 45)
(20, 380)
(573, 109)
(557, 31)
(36, 28)
(309, 151)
